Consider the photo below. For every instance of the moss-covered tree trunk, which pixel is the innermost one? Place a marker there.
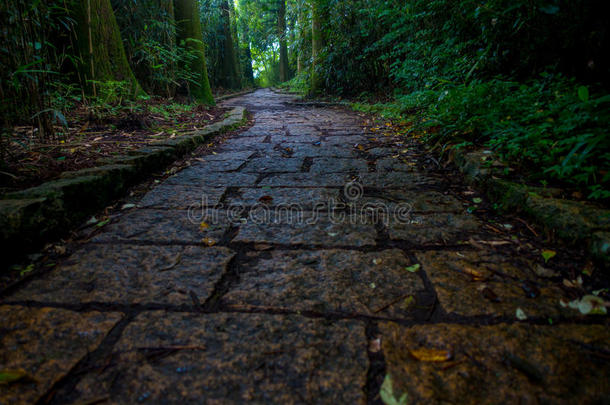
(317, 44)
(281, 32)
(229, 61)
(100, 45)
(190, 35)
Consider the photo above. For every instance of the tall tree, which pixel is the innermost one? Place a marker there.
(236, 46)
(246, 53)
(281, 32)
(100, 45)
(229, 60)
(317, 44)
(190, 35)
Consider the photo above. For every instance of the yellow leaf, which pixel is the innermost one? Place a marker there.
(476, 276)
(203, 226)
(431, 355)
(208, 242)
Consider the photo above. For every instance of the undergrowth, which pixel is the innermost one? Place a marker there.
(551, 129)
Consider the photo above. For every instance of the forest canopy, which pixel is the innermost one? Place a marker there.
(527, 78)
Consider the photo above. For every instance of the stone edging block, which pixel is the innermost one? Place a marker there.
(575, 223)
(30, 217)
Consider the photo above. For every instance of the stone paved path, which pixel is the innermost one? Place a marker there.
(233, 282)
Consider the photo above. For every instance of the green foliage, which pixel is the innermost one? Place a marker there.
(299, 83)
(550, 126)
(34, 45)
(148, 30)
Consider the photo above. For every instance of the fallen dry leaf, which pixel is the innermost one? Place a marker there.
(476, 276)
(431, 355)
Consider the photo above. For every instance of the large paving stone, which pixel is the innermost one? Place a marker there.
(233, 359)
(438, 228)
(338, 165)
(243, 143)
(393, 165)
(481, 283)
(517, 364)
(347, 141)
(181, 197)
(381, 152)
(304, 198)
(273, 165)
(226, 157)
(240, 148)
(219, 166)
(352, 282)
(418, 201)
(197, 177)
(318, 151)
(131, 275)
(300, 130)
(295, 138)
(256, 131)
(295, 227)
(46, 343)
(165, 226)
(306, 180)
(398, 180)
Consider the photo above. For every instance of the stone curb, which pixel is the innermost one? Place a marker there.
(30, 217)
(575, 223)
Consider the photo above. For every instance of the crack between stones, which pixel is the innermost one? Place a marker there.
(91, 361)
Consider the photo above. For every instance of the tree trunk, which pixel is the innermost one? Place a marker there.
(101, 47)
(300, 36)
(317, 44)
(236, 46)
(281, 32)
(189, 33)
(229, 62)
(247, 63)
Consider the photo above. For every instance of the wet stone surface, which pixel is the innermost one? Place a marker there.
(339, 165)
(480, 283)
(304, 261)
(373, 284)
(507, 363)
(233, 358)
(169, 226)
(181, 197)
(267, 165)
(417, 201)
(198, 177)
(306, 228)
(305, 198)
(45, 344)
(424, 229)
(306, 180)
(168, 275)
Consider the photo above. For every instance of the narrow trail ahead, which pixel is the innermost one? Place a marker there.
(293, 266)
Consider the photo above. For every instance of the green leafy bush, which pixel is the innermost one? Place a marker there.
(550, 127)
